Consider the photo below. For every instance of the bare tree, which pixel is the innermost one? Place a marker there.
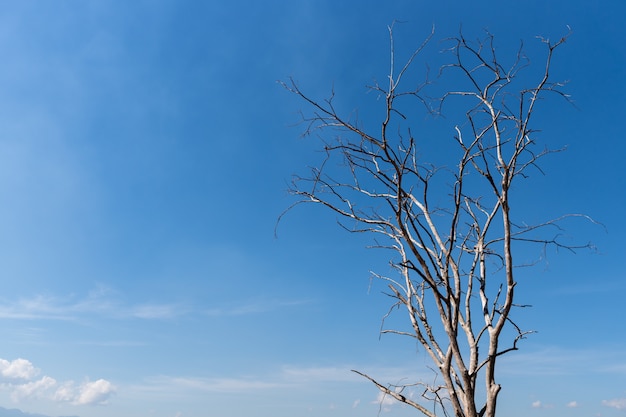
(456, 274)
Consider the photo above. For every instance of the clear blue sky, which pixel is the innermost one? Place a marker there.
(145, 150)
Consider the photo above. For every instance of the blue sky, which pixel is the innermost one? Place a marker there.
(145, 153)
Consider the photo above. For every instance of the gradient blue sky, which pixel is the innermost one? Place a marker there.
(145, 150)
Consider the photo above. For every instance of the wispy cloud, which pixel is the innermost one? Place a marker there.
(37, 307)
(40, 307)
(18, 377)
(552, 361)
(112, 343)
(618, 403)
(285, 377)
(220, 385)
(104, 302)
(318, 374)
(156, 311)
(539, 404)
(297, 383)
(254, 307)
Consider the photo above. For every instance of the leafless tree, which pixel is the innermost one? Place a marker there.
(456, 275)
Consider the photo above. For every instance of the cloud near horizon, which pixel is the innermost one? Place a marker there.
(17, 369)
(539, 404)
(18, 378)
(618, 403)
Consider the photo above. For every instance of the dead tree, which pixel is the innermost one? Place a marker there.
(456, 274)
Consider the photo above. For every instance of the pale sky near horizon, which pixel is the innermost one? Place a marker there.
(145, 153)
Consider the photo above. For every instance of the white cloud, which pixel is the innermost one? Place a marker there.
(65, 393)
(558, 361)
(282, 379)
(171, 384)
(539, 404)
(300, 375)
(97, 392)
(18, 369)
(572, 404)
(37, 307)
(33, 389)
(98, 303)
(384, 400)
(295, 374)
(285, 377)
(156, 311)
(255, 307)
(619, 403)
(105, 302)
(87, 393)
